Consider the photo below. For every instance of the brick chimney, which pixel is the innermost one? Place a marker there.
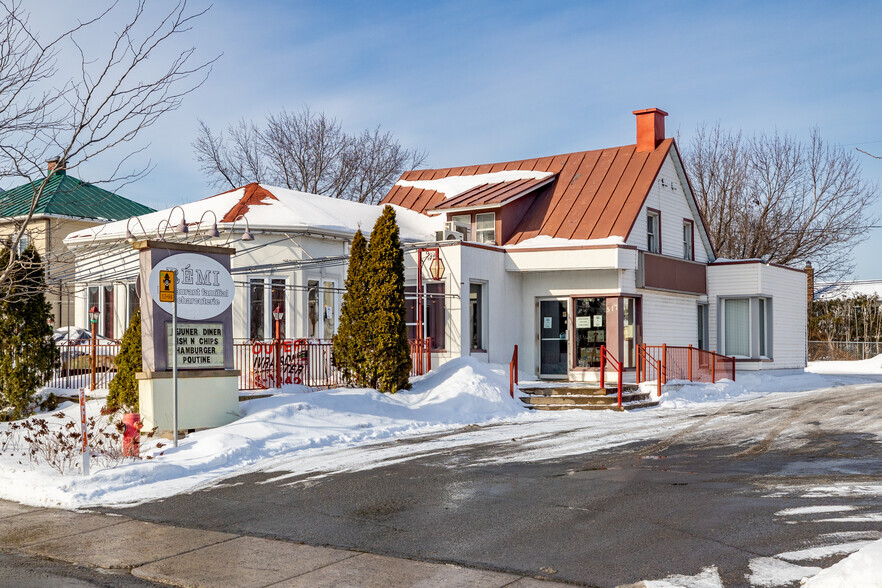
(650, 128)
(55, 164)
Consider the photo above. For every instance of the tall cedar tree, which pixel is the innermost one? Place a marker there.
(27, 351)
(124, 387)
(349, 355)
(387, 350)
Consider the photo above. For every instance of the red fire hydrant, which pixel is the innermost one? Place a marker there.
(132, 434)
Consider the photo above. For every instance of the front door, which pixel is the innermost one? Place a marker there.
(552, 338)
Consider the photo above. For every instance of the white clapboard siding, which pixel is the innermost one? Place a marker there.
(669, 318)
(787, 290)
(674, 208)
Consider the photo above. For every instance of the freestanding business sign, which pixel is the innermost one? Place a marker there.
(186, 330)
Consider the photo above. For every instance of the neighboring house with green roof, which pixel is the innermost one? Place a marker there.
(66, 205)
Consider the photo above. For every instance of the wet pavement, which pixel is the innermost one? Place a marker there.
(707, 495)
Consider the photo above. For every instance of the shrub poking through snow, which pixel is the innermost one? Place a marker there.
(349, 351)
(386, 348)
(57, 442)
(27, 351)
(123, 393)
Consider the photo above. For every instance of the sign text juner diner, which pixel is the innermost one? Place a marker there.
(199, 345)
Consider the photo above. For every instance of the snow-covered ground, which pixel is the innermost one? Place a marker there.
(298, 433)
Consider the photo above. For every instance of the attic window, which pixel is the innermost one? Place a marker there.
(653, 235)
(688, 249)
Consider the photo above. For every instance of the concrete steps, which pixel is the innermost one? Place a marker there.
(577, 396)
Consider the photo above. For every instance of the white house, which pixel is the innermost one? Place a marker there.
(558, 255)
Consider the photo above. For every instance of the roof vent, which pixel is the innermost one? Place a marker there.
(650, 128)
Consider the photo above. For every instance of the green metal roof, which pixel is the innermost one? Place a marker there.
(67, 196)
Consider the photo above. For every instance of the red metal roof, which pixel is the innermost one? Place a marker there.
(596, 194)
(494, 195)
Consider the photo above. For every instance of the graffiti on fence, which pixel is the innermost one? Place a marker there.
(294, 360)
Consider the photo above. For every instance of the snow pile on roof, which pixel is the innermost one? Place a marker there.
(862, 568)
(272, 431)
(547, 241)
(453, 185)
(265, 208)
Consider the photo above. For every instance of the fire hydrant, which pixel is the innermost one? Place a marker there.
(132, 434)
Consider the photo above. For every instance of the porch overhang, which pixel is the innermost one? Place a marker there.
(619, 257)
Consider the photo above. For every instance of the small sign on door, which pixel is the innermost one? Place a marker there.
(546, 322)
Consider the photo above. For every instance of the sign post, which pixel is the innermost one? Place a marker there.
(83, 430)
(167, 294)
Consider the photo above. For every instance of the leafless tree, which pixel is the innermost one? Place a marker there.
(777, 198)
(96, 109)
(305, 151)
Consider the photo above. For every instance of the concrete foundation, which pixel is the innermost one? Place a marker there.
(206, 398)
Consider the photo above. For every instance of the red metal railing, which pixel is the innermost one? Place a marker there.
(607, 356)
(666, 362)
(420, 356)
(513, 371)
(309, 362)
(75, 365)
(260, 363)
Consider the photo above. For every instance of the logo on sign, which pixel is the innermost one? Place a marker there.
(167, 286)
(204, 288)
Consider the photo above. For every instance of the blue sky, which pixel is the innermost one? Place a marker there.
(474, 82)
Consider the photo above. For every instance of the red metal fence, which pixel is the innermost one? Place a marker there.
(666, 362)
(302, 361)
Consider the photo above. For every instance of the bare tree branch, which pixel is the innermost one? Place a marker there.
(775, 197)
(116, 93)
(305, 151)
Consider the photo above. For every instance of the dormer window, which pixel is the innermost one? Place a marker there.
(485, 228)
(653, 232)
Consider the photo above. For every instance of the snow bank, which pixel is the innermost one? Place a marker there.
(872, 365)
(682, 393)
(271, 430)
(861, 568)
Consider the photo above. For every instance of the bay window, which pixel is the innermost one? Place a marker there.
(746, 327)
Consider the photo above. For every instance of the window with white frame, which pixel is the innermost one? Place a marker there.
(746, 327)
(133, 301)
(477, 317)
(264, 295)
(101, 297)
(485, 228)
(653, 233)
(256, 308)
(688, 235)
(321, 309)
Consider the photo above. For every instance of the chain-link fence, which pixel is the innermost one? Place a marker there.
(843, 350)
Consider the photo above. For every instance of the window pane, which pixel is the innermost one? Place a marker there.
(737, 315)
(258, 309)
(687, 240)
(107, 312)
(762, 327)
(652, 232)
(466, 221)
(134, 298)
(328, 309)
(436, 315)
(590, 330)
(93, 301)
(278, 301)
(485, 228)
(410, 315)
(628, 333)
(312, 313)
(476, 308)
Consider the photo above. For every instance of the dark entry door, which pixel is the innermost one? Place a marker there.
(552, 338)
